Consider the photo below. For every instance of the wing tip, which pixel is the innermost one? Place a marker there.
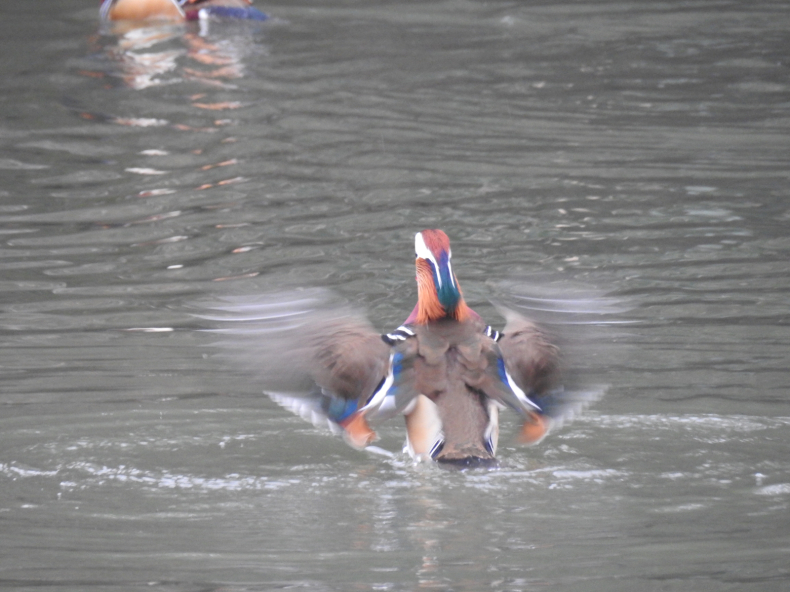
(562, 408)
(357, 431)
(535, 427)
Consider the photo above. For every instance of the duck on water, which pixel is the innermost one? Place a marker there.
(444, 369)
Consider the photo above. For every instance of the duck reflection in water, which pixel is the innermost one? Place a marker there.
(157, 46)
(444, 368)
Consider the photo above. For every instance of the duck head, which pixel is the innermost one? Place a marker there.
(438, 294)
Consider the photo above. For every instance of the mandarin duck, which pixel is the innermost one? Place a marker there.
(117, 10)
(444, 369)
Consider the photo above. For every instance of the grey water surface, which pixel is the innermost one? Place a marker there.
(637, 148)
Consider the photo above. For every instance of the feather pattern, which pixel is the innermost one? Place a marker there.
(116, 10)
(438, 293)
(444, 369)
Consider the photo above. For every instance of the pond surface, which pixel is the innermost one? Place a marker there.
(641, 149)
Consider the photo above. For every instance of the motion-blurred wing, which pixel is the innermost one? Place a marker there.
(559, 336)
(310, 353)
(532, 360)
(533, 370)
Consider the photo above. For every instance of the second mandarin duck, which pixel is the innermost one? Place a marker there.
(138, 10)
(444, 369)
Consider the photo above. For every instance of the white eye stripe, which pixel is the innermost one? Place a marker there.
(450, 269)
(423, 252)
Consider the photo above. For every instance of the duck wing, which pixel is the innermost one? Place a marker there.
(533, 367)
(531, 358)
(312, 355)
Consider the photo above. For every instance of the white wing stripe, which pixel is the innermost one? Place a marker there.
(378, 397)
(521, 395)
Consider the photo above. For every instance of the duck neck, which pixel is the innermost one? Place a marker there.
(430, 308)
